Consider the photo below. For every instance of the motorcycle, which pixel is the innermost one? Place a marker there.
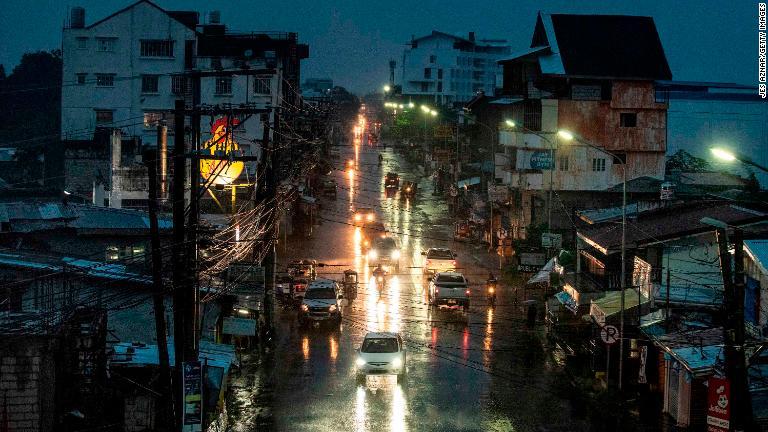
(381, 159)
(490, 291)
(381, 282)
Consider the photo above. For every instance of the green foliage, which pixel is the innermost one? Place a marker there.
(753, 185)
(686, 162)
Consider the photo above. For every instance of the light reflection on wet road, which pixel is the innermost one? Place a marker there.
(481, 372)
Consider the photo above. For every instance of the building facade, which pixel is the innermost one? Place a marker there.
(574, 78)
(127, 70)
(445, 69)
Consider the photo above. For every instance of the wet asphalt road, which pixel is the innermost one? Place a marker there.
(485, 371)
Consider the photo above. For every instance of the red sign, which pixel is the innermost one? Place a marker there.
(718, 405)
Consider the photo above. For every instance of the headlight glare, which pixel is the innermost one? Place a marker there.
(360, 361)
(397, 362)
(304, 308)
(396, 254)
(332, 308)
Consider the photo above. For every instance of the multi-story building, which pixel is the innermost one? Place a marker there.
(126, 71)
(592, 75)
(445, 69)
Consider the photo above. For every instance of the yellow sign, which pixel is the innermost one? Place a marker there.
(221, 143)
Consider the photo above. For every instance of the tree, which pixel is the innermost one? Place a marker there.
(2, 72)
(686, 162)
(753, 184)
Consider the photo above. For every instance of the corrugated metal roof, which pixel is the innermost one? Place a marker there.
(523, 53)
(610, 303)
(94, 269)
(758, 251)
(34, 216)
(139, 355)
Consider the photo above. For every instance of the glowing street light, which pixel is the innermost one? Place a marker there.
(433, 112)
(411, 105)
(510, 123)
(387, 88)
(723, 154)
(401, 106)
(566, 135)
(730, 156)
(425, 108)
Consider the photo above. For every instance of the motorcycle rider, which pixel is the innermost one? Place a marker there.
(381, 158)
(490, 287)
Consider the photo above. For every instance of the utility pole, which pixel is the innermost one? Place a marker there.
(733, 323)
(734, 342)
(151, 161)
(192, 325)
(269, 193)
(180, 304)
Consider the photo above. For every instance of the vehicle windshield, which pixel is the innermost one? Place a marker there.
(283, 279)
(379, 345)
(450, 279)
(439, 254)
(321, 293)
(387, 243)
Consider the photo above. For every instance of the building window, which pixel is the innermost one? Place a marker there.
(157, 48)
(105, 44)
(563, 162)
(598, 164)
(439, 74)
(427, 73)
(105, 80)
(424, 87)
(82, 43)
(628, 119)
(104, 117)
(223, 86)
(150, 83)
(81, 78)
(262, 85)
(432, 58)
(178, 85)
(439, 86)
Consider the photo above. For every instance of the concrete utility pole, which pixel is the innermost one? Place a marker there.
(151, 161)
(733, 318)
(180, 295)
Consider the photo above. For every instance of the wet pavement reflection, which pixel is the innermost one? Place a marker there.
(480, 371)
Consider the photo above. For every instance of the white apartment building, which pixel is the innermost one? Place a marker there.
(447, 69)
(127, 70)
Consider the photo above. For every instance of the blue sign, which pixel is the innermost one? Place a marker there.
(541, 160)
(193, 406)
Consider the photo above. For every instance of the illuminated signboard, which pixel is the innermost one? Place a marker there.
(221, 143)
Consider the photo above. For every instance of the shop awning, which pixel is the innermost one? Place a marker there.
(543, 275)
(567, 301)
(610, 304)
(468, 182)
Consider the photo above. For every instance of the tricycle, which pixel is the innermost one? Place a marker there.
(350, 284)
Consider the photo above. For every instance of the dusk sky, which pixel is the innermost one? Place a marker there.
(351, 41)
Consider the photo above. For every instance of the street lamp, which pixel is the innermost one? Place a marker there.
(730, 156)
(387, 88)
(569, 136)
(411, 105)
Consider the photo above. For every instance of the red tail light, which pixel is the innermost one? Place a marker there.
(429, 262)
(454, 263)
(467, 292)
(437, 290)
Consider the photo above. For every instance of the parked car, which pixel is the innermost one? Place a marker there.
(381, 353)
(449, 290)
(385, 252)
(438, 260)
(283, 285)
(363, 216)
(298, 287)
(322, 303)
(392, 180)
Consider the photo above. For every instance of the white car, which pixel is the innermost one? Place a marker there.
(381, 354)
(438, 260)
